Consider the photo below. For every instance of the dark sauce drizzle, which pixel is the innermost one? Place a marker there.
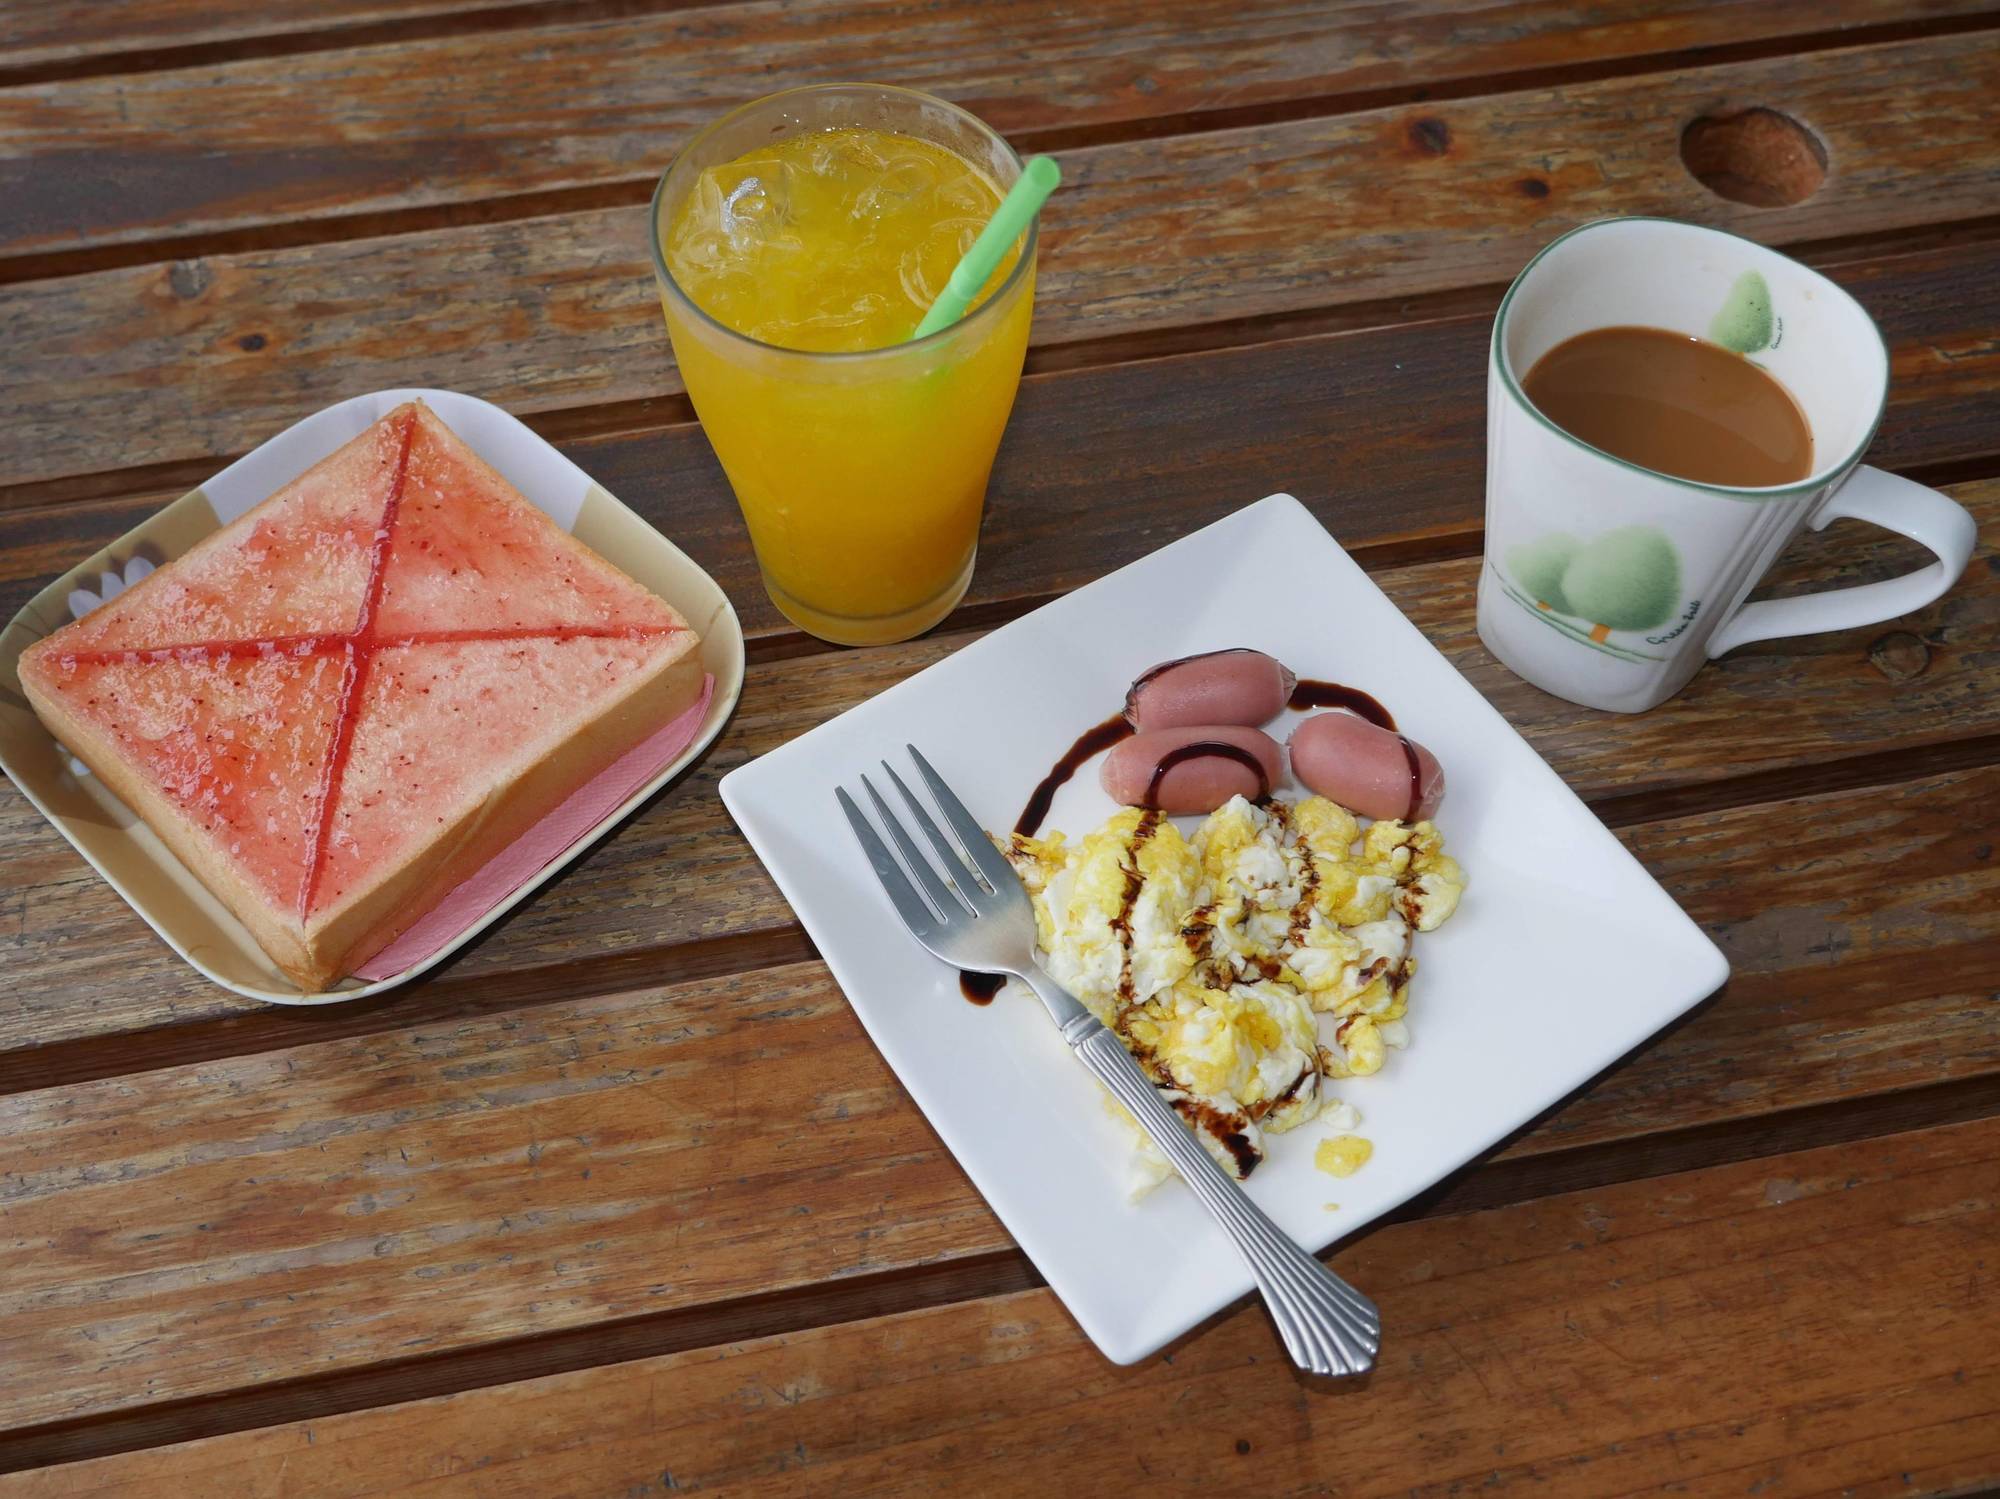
(1311, 694)
(1090, 742)
(1200, 749)
(1135, 882)
(1302, 910)
(1231, 1130)
(1258, 1111)
(981, 987)
(1416, 778)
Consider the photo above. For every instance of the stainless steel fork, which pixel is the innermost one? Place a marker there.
(971, 910)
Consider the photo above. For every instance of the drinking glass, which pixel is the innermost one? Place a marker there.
(861, 476)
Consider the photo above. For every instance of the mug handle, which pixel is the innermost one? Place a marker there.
(1896, 504)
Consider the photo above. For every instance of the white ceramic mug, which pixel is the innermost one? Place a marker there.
(1609, 584)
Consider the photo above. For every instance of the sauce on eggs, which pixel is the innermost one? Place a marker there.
(979, 988)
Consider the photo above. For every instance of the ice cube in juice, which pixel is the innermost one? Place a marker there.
(861, 478)
(833, 242)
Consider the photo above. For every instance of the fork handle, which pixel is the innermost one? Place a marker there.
(1327, 1326)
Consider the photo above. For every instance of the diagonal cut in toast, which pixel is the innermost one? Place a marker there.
(343, 704)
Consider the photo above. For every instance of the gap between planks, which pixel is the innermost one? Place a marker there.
(624, 419)
(448, 998)
(435, 26)
(1479, 1186)
(635, 191)
(1589, 1119)
(1518, 1350)
(479, 987)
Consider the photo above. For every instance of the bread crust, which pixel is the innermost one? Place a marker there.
(316, 952)
(280, 935)
(375, 914)
(137, 596)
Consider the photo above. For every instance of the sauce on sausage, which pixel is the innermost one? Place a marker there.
(1310, 694)
(1200, 749)
(1166, 666)
(1416, 778)
(1100, 737)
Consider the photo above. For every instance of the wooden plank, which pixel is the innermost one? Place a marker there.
(204, 1228)
(1682, 1330)
(558, 313)
(1381, 432)
(1597, 1344)
(81, 965)
(33, 32)
(267, 143)
(605, 1159)
(1863, 980)
(1103, 464)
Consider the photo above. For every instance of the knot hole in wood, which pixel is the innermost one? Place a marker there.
(1756, 156)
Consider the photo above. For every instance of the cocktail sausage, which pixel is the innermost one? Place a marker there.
(1193, 768)
(1369, 770)
(1239, 686)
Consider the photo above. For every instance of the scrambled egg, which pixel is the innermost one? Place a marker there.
(1247, 964)
(1343, 1155)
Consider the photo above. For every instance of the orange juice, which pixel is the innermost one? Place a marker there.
(792, 275)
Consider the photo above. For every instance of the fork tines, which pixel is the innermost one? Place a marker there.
(969, 874)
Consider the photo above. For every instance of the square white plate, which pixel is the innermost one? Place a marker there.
(1563, 955)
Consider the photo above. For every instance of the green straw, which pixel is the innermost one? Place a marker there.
(1039, 176)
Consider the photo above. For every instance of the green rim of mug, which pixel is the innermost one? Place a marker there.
(1819, 476)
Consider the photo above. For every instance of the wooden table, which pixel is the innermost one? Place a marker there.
(623, 1201)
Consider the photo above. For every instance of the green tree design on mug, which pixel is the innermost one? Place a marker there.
(1627, 579)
